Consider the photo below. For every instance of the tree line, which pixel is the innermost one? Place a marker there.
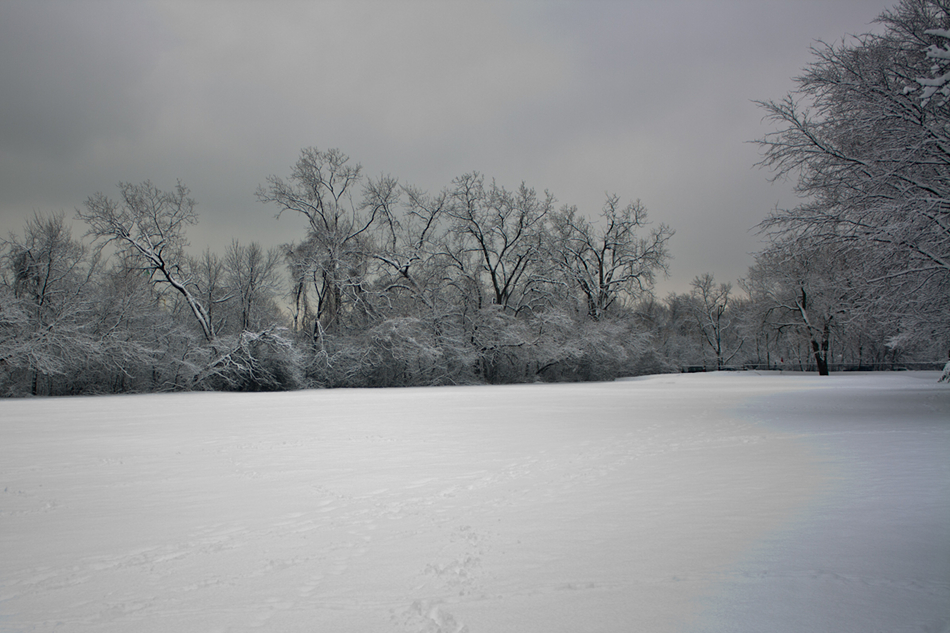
(390, 285)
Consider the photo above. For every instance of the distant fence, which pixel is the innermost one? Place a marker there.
(834, 367)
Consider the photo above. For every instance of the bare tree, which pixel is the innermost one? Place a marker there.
(410, 238)
(332, 259)
(149, 224)
(254, 280)
(611, 260)
(209, 284)
(711, 309)
(498, 238)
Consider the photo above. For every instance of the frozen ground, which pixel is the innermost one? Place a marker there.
(688, 503)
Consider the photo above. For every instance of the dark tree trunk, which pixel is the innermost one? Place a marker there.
(821, 351)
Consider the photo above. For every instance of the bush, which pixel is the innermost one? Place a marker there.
(253, 361)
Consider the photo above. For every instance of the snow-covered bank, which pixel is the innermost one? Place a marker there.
(668, 503)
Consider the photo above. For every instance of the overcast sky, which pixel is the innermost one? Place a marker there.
(649, 100)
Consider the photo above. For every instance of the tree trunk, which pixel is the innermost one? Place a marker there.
(328, 312)
(821, 350)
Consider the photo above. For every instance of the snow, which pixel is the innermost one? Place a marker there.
(689, 503)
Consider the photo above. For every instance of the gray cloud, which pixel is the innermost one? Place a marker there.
(649, 100)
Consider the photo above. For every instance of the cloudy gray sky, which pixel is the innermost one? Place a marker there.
(648, 99)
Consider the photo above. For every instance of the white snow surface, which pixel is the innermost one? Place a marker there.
(688, 503)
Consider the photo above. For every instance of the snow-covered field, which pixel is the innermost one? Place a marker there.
(693, 503)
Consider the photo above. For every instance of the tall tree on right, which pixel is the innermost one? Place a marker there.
(871, 158)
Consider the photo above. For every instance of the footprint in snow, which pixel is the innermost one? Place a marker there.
(425, 616)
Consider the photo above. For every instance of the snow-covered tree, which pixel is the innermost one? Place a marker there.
(610, 260)
(803, 292)
(253, 281)
(47, 303)
(498, 237)
(332, 259)
(209, 283)
(712, 309)
(871, 161)
(935, 88)
(409, 245)
(148, 224)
